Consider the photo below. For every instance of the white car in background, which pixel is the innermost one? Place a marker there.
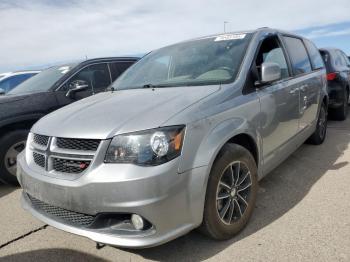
(10, 80)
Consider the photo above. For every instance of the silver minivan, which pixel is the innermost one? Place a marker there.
(179, 142)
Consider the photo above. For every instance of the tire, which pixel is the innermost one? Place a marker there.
(341, 113)
(216, 224)
(11, 144)
(318, 137)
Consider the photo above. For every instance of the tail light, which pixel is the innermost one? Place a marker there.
(332, 76)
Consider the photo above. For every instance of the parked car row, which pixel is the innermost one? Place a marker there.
(179, 141)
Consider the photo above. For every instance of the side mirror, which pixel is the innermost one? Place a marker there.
(2, 91)
(270, 72)
(76, 86)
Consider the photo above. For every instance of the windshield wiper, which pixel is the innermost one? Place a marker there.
(155, 86)
(149, 86)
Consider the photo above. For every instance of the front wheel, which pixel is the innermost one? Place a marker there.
(319, 135)
(11, 145)
(231, 193)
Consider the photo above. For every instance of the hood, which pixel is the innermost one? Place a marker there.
(11, 98)
(107, 114)
(29, 106)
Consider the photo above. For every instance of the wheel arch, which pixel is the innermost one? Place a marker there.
(23, 122)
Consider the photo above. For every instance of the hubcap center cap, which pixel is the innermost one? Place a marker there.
(233, 192)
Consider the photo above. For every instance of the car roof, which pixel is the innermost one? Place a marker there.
(331, 49)
(108, 59)
(261, 29)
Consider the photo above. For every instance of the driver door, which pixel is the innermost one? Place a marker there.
(279, 103)
(96, 77)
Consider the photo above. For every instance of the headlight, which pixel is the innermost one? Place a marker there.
(146, 148)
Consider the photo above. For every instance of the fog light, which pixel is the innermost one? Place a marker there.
(137, 222)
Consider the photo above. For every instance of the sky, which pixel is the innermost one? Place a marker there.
(39, 33)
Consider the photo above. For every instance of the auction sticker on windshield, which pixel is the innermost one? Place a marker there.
(227, 37)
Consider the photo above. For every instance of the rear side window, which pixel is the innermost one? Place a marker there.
(299, 57)
(338, 59)
(343, 61)
(118, 68)
(316, 59)
(346, 58)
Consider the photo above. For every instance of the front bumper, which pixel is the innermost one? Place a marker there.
(172, 202)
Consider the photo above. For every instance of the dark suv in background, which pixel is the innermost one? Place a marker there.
(338, 76)
(47, 91)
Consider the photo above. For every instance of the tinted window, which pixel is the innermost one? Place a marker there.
(338, 59)
(346, 58)
(316, 59)
(118, 68)
(299, 57)
(205, 61)
(271, 51)
(95, 76)
(341, 59)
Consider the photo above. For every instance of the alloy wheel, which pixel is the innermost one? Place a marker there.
(233, 192)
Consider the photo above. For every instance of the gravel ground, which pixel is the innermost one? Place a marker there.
(302, 214)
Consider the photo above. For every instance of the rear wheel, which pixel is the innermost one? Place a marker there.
(319, 135)
(231, 193)
(11, 145)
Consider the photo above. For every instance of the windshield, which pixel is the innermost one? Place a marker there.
(43, 81)
(210, 60)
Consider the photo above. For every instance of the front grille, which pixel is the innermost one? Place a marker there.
(39, 159)
(70, 166)
(66, 215)
(78, 144)
(41, 140)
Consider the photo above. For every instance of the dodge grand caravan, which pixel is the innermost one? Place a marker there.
(180, 141)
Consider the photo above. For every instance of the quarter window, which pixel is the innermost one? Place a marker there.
(299, 57)
(315, 56)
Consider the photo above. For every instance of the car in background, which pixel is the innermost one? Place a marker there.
(47, 91)
(10, 80)
(338, 76)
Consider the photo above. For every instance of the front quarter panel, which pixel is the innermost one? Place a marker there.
(204, 138)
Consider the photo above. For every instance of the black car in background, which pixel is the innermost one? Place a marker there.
(338, 76)
(47, 91)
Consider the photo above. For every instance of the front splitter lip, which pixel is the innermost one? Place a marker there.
(134, 241)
